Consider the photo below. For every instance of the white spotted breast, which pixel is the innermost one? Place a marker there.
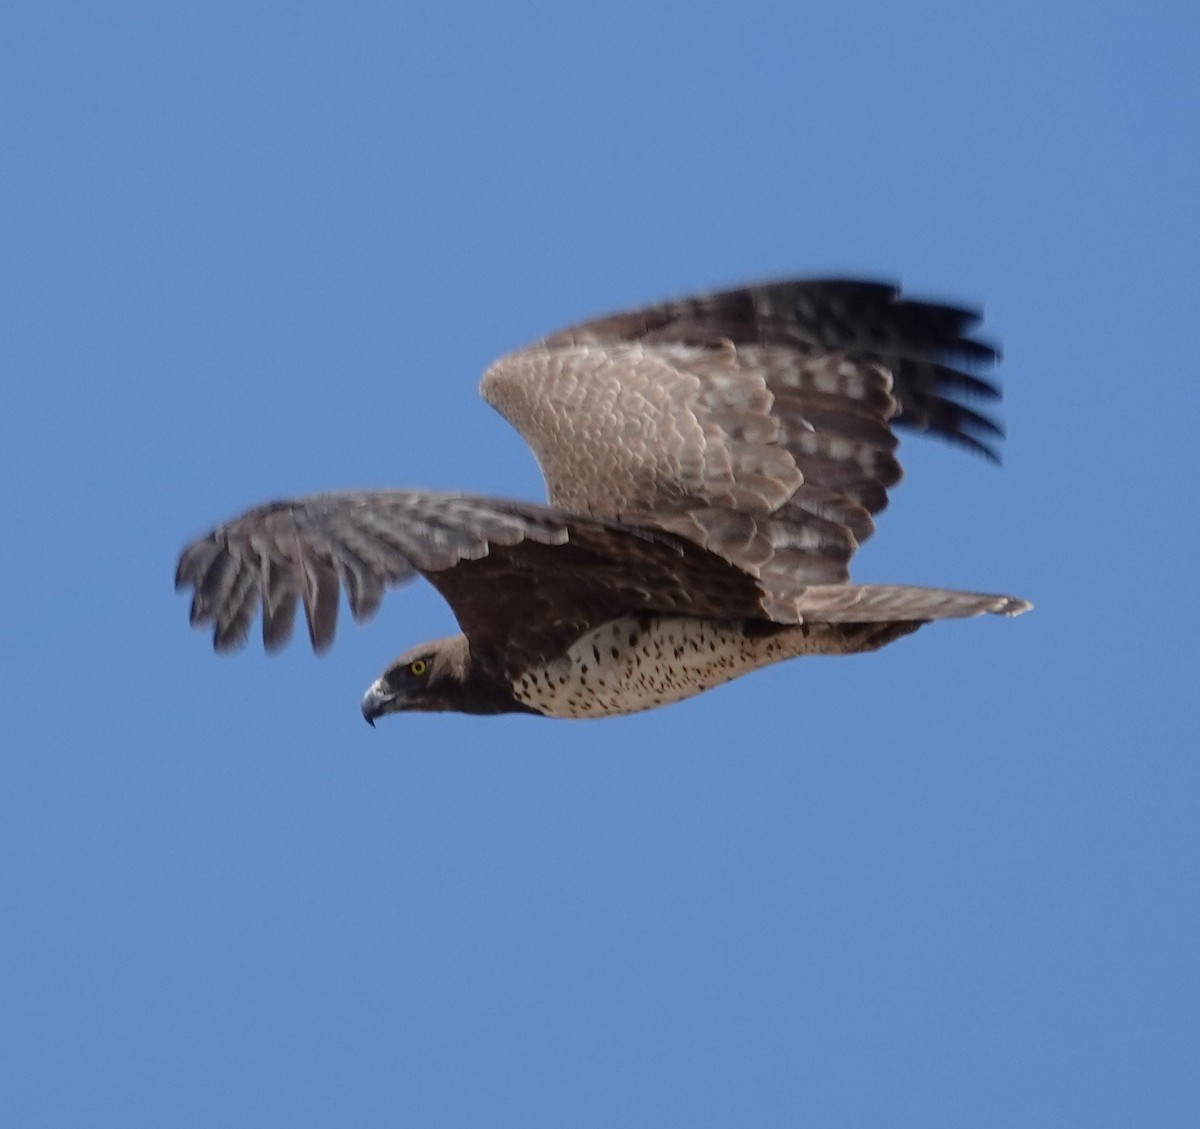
(639, 662)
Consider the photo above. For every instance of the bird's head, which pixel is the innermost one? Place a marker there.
(430, 676)
(436, 676)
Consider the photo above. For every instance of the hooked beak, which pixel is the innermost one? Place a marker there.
(377, 701)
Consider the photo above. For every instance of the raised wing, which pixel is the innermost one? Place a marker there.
(757, 422)
(523, 580)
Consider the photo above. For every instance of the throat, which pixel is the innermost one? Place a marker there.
(483, 695)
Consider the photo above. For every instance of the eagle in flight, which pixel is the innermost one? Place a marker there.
(711, 463)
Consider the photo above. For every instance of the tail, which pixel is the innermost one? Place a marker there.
(898, 603)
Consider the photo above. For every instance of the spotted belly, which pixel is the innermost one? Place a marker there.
(637, 663)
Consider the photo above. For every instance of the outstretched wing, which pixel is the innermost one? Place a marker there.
(523, 580)
(756, 422)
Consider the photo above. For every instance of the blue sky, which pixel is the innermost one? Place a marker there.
(257, 250)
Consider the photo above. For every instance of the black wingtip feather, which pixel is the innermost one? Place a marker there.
(321, 595)
(279, 621)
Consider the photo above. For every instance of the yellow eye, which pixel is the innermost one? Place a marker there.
(418, 667)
